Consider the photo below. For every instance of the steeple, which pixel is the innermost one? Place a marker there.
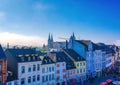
(49, 37)
(73, 36)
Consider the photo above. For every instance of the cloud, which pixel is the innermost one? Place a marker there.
(18, 39)
(117, 42)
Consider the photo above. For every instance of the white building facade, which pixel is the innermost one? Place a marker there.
(98, 62)
(29, 73)
(48, 71)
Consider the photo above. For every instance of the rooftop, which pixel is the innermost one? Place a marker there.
(47, 60)
(74, 55)
(23, 55)
(64, 57)
(2, 53)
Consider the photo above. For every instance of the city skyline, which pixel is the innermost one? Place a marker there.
(28, 22)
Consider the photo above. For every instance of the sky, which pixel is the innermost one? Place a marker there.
(28, 22)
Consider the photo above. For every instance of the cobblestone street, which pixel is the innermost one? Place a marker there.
(97, 81)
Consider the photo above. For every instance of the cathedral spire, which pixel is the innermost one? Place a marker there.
(49, 37)
(73, 36)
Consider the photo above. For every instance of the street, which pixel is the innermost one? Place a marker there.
(97, 81)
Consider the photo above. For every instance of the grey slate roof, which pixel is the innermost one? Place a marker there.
(57, 57)
(47, 60)
(64, 57)
(11, 78)
(19, 54)
(74, 55)
(86, 43)
(20, 51)
(2, 54)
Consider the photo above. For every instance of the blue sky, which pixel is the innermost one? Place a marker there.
(97, 20)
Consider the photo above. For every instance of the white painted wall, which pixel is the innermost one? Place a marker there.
(98, 60)
(27, 74)
(48, 73)
(108, 59)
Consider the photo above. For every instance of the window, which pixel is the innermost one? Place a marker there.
(80, 70)
(64, 70)
(0, 68)
(34, 67)
(58, 77)
(33, 57)
(43, 70)
(23, 81)
(38, 77)
(34, 79)
(23, 69)
(58, 65)
(9, 83)
(53, 68)
(29, 79)
(43, 79)
(29, 69)
(22, 59)
(49, 69)
(84, 70)
(50, 77)
(80, 64)
(64, 76)
(63, 64)
(84, 63)
(29, 58)
(58, 71)
(15, 83)
(0, 79)
(38, 67)
(46, 77)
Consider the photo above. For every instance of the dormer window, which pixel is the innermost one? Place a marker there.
(29, 58)
(22, 59)
(38, 58)
(45, 61)
(49, 61)
(33, 57)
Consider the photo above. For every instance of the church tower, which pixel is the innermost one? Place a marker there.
(50, 41)
(72, 38)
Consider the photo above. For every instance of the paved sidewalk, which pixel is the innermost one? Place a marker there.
(97, 81)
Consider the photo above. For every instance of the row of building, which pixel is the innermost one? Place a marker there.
(68, 63)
